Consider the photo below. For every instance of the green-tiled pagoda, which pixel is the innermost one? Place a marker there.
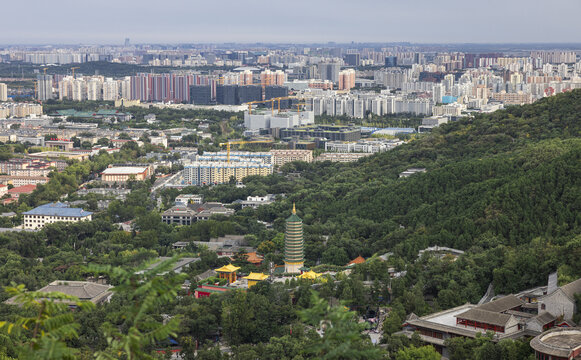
(294, 244)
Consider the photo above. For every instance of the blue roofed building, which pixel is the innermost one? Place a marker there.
(54, 212)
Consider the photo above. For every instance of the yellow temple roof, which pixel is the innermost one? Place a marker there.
(309, 275)
(256, 276)
(228, 268)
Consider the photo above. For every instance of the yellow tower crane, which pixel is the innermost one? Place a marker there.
(229, 143)
(299, 107)
(44, 69)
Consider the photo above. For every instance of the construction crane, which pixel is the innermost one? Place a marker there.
(299, 107)
(73, 69)
(229, 143)
(44, 69)
(271, 101)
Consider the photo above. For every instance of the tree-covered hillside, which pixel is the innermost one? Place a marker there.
(495, 181)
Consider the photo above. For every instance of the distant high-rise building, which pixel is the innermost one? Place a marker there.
(249, 93)
(201, 94)
(294, 258)
(346, 79)
(275, 92)
(127, 42)
(44, 87)
(268, 77)
(352, 59)
(227, 94)
(3, 92)
(438, 92)
(329, 71)
(390, 61)
(449, 82)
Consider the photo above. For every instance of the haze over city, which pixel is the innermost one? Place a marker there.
(302, 21)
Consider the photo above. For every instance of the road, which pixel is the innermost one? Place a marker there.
(164, 181)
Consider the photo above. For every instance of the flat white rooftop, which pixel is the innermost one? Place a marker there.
(124, 170)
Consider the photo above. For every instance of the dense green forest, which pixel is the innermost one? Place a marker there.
(504, 187)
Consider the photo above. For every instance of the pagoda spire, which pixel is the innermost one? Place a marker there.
(294, 258)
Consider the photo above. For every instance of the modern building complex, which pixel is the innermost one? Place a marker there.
(362, 146)
(294, 258)
(265, 119)
(122, 174)
(51, 213)
(329, 132)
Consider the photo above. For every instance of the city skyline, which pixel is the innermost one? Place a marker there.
(422, 21)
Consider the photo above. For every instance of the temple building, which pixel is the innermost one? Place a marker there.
(294, 244)
(228, 272)
(255, 278)
(309, 275)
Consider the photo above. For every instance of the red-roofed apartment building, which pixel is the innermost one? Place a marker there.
(15, 192)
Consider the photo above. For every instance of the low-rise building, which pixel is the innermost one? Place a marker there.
(513, 316)
(411, 171)
(341, 157)
(558, 344)
(186, 199)
(59, 144)
(256, 201)
(18, 181)
(53, 212)
(180, 215)
(83, 290)
(188, 214)
(281, 157)
(122, 174)
(72, 155)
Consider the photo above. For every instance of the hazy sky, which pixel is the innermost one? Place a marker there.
(194, 21)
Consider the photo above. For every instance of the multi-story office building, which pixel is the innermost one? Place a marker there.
(249, 93)
(271, 92)
(390, 61)
(266, 119)
(330, 132)
(353, 59)
(201, 94)
(51, 213)
(44, 87)
(122, 174)
(227, 94)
